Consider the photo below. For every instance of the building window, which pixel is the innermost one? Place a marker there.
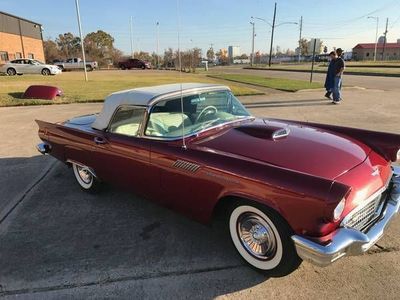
(18, 55)
(31, 56)
(367, 54)
(3, 55)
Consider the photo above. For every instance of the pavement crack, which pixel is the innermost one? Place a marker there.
(114, 280)
(26, 193)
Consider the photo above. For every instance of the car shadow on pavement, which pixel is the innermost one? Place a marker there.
(60, 238)
(289, 103)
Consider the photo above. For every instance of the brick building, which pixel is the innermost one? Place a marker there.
(366, 51)
(20, 38)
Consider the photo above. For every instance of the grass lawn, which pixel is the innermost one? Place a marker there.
(288, 85)
(101, 84)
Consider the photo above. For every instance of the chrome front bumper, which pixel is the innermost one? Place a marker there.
(348, 241)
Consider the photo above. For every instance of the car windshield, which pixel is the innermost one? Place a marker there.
(200, 111)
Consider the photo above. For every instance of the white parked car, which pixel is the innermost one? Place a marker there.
(28, 66)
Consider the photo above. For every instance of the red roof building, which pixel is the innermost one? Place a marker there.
(365, 51)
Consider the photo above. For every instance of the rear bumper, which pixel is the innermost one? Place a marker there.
(348, 241)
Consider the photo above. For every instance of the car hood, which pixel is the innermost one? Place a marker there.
(291, 146)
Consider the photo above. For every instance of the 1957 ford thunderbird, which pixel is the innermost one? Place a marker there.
(289, 190)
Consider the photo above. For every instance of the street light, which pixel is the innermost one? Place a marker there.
(191, 55)
(252, 44)
(376, 34)
(273, 29)
(78, 15)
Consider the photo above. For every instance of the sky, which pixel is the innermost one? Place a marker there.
(218, 22)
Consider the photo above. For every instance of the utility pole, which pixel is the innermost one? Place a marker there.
(81, 36)
(376, 34)
(191, 57)
(384, 41)
(313, 60)
(272, 37)
(252, 45)
(301, 29)
(131, 34)
(158, 43)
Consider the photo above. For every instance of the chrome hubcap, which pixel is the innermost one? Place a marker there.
(84, 174)
(256, 236)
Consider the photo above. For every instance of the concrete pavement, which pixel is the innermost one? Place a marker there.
(59, 242)
(369, 82)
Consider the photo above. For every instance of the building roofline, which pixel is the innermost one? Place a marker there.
(14, 16)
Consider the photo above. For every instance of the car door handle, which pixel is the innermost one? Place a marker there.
(99, 140)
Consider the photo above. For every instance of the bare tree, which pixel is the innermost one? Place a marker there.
(210, 54)
(51, 51)
(169, 58)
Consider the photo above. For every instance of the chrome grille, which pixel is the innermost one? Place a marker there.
(190, 167)
(369, 212)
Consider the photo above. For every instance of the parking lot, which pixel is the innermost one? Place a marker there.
(57, 241)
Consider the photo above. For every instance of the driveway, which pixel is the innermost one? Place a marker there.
(58, 242)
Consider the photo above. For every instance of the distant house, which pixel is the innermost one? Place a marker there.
(20, 38)
(365, 51)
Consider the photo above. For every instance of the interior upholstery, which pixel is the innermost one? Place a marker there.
(165, 123)
(127, 129)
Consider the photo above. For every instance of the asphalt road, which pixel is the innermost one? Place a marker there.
(58, 242)
(369, 82)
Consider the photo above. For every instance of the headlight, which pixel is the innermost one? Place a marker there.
(398, 155)
(337, 213)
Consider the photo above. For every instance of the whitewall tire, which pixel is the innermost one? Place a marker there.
(262, 239)
(85, 178)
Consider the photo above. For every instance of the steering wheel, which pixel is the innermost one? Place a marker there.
(206, 110)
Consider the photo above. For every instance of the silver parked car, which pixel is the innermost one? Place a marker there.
(28, 66)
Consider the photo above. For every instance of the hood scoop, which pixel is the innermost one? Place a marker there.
(263, 131)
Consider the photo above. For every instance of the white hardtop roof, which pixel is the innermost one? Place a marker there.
(145, 96)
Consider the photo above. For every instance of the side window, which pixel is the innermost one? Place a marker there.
(166, 119)
(3, 55)
(127, 121)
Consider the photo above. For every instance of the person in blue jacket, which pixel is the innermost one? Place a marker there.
(330, 75)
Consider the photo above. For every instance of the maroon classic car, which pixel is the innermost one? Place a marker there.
(289, 190)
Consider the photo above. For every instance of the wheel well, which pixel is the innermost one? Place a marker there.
(223, 206)
(225, 203)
